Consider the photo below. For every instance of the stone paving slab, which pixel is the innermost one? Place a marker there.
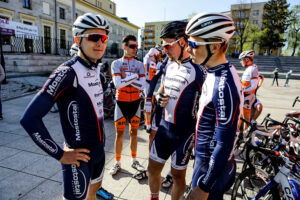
(26, 172)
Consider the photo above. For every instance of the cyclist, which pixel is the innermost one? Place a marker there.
(77, 88)
(129, 79)
(177, 95)
(249, 84)
(152, 61)
(219, 108)
(257, 106)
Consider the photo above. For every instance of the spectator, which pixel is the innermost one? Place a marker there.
(2, 76)
(287, 77)
(275, 72)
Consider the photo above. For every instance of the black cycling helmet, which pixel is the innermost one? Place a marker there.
(175, 29)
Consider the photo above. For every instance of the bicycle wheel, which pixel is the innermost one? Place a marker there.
(249, 183)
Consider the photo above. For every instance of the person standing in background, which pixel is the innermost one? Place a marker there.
(287, 77)
(275, 72)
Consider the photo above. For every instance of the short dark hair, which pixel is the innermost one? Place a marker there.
(127, 38)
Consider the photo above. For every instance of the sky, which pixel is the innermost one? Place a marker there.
(140, 11)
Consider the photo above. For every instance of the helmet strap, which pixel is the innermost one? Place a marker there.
(181, 51)
(87, 58)
(209, 54)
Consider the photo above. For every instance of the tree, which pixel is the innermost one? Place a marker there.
(240, 15)
(275, 23)
(293, 33)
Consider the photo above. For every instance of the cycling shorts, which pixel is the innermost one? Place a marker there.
(77, 179)
(165, 144)
(249, 100)
(130, 111)
(223, 182)
(256, 102)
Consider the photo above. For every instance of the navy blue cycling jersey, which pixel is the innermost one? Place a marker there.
(182, 82)
(219, 110)
(77, 88)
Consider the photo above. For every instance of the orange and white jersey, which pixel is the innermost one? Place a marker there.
(150, 63)
(128, 88)
(250, 79)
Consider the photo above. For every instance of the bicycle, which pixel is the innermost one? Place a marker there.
(252, 179)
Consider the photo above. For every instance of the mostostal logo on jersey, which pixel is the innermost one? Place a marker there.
(79, 182)
(73, 117)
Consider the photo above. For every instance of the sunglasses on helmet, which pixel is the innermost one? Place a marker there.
(95, 37)
(132, 46)
(169, 45)
(195, 45)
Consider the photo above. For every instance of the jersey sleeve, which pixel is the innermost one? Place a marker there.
(116, 76)
(61, 80)
(226, 101)
(141, 82)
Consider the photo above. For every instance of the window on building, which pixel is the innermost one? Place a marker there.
(46, 8)
(28, 42)
(110, 6)
(26, 4)
(157, 34)
(98, 4)
(255, 12)
(5, 38)
(255, 22)
(47, 39)
(158, 28)
(62, 38)
(62, 13)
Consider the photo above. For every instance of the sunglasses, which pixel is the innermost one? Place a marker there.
(132, 46)
(195, 45)
(169, 45)
(94, 37)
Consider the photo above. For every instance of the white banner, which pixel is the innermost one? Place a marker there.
(20, 29)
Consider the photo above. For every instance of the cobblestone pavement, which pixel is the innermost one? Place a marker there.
(28, 173)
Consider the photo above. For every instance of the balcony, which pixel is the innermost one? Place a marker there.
(148, 30)
(149, 36)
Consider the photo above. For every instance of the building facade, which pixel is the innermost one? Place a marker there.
(55, 31)
(151, 33)
(243, 15)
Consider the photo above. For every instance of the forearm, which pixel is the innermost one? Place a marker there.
(129, 79)
(139, 84)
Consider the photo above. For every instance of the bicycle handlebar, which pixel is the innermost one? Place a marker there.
(296, 99)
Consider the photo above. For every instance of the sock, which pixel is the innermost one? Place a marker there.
(169, 173)
(133, 156)
(118, 157)
(154, 196)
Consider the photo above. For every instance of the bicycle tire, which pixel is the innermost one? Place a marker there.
(254, 179)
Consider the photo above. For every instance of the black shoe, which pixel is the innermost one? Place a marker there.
(168, 181)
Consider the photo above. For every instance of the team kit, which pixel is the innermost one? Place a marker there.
(193, 100)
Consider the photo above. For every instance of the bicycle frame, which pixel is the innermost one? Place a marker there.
(282, 178)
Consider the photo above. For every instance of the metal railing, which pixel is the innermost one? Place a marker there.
(44, 45)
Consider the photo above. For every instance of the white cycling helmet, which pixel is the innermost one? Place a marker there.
(247, 54)
(73, 49)
(153, 51)
(89, 21)
(211, 25)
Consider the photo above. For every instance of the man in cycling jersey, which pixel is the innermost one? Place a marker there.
(249, 84)
(178, 96)
(219, 108)
(77, 88)
(257, 106)
(129, 79)
(152, 61)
